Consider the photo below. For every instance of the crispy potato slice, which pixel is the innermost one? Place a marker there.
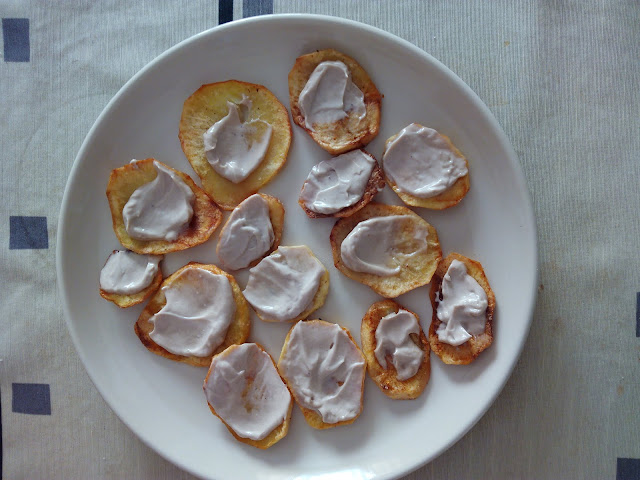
(317, 301)
(205, 107)
(415, 271)
(276, 434)
(276, 215)
(452, 196)
(126, 301)
(374, 185)
(469, 350)
(123, 181)
(348, 133)
(313, 418)
(387, 378)
(237, 333)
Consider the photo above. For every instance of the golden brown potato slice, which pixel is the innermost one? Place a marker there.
(129, 300)
(350, 132)
(276, 215)
(276, 434)
(469, 350)
(387, 378)
(415, 271)
(314, 418)
(205, 107)
(123, 181)
(446, 199)
(374, 185)
(237, 333)
(317, 301)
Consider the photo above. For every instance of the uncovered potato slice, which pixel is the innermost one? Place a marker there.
(205, 107)
(237, 333)
(469, 350)
(123, 181)
(350, 132)
(415, 270)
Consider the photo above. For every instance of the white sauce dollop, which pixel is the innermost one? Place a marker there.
(247, 235)
(127, 273)
(246, 391)
(235, 147)
(462, 308)
(421, 163)
(329, 95)
(200, 307)
(324, 369)
(160, 209)
(379, 245)
(392, 338)
(337, 183)
(284, 284)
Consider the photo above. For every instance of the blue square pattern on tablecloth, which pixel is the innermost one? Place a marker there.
(28, 233)
(15, 34)
(628, 469)
(31, 398)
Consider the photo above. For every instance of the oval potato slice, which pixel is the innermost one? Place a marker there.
(123, 181)
(205, 107)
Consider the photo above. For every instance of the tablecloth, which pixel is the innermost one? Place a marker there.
(563, 80)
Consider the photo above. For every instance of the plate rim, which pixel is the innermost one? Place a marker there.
(505, 144)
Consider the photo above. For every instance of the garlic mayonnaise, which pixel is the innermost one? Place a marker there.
(127, 273)
(393, 338)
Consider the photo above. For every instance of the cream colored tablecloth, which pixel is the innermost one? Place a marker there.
(562, 78)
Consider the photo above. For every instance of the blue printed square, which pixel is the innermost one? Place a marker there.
(31, 398)
(15, 33)
(28, 233)
(628, 469)
(252, 8)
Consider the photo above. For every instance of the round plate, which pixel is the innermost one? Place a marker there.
(162, 401)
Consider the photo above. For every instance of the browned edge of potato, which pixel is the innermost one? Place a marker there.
(387, 378)
(469, 350)
(238, 329)
(124, 180)
(350, 132)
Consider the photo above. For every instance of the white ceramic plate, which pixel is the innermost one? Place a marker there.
(162, 401)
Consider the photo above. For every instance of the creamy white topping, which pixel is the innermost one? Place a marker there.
(246, 391)
(284, 284)
(247, 235)
(462, 308)
(127, 273)
(200, 307)
(421, 163)
(160, 209)
(329, 95)
(337, 183)
(324, 369)
(380, 245)
(234, 146)
(393, 338)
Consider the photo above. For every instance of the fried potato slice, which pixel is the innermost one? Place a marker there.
(469, 350)
(276, 215)
(237, 333)
(450, 197)
(350, 132)
(205, 107)
(317, 301)
(374, 185)
(129, 300)
(387, 378)
(123, 181)
(276, 434)
(415, 271)
(313, 418)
